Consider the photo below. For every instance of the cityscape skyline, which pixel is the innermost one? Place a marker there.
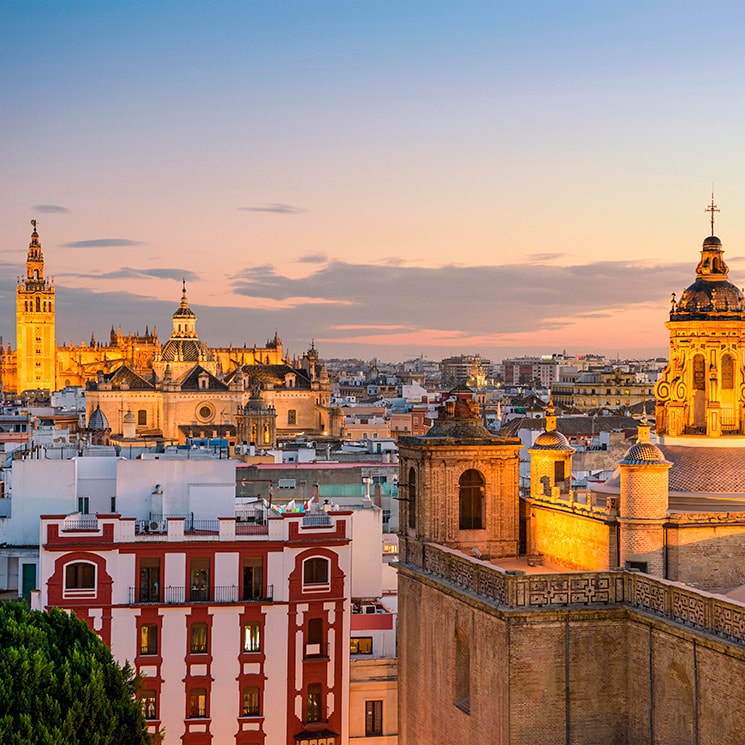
(389, 180)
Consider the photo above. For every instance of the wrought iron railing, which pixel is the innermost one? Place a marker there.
(180, 595)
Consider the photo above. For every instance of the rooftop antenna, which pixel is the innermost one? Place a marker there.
(712, 208)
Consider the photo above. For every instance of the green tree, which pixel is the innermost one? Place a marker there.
(59, 684)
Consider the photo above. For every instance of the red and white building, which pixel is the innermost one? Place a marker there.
(237, 618)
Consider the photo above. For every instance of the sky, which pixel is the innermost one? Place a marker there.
(388, 179)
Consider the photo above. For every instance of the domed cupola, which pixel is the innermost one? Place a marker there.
(184, 344)
(711, 295)
(98, 420)
(551, 438)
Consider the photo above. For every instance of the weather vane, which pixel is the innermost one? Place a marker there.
(712, 208)
(33, 222)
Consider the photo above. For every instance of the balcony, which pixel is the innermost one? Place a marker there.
(181, 595)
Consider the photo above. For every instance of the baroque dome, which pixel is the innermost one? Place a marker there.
(185, 350)
(711, 295)
(551, 440)
(98, 420)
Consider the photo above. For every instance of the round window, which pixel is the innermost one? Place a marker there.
(205, 411)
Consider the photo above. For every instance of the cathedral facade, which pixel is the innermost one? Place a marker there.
(172, 391)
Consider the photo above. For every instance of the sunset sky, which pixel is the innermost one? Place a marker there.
(388, 178)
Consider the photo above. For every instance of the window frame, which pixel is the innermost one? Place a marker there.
(311, 574)
(251, 637)
(374, 718)
(197, 703)
(314, 703)
(360, 645)
(199, 628)
(78, 589)
(147, 643)
(247, 693)
(149, 703)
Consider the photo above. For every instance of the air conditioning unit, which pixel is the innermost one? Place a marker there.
(157, 526)
(369, 609)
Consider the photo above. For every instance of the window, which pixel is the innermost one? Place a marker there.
(252, 637)
(558, 471)
(142, 417)
(291, 416)
(148, 638)
(198, 643)
(150, 580)
(149, 705)
(251, 702)
(199, 580)
(80, 576)
(253, 577)
(84, 505)
(471, 500)
(412, 498)
(197, 703)
(316, 571)
(314, 646)
(113, 504)
(373, 718)
(360, 645)
(314, 703)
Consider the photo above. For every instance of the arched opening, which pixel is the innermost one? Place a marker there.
(699, 392)
(471, 500)
(412, 498)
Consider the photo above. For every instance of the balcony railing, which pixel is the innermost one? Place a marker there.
(180, 595)
(316, 520)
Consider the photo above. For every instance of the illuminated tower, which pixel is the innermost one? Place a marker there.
(702, 389)
(35, 338)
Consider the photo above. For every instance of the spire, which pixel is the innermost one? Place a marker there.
(35, 263)
(711, 209)
(550, 413)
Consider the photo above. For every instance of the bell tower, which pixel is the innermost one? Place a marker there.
(459, 485)
(36, 342)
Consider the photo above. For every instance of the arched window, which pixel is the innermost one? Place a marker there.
(266, 433)
(471, 500)
(80, 576)
(316, 571)
(462, 693)
(253, 434)
(38, 304)
(412, 498)
(141, 417)
(728, 373)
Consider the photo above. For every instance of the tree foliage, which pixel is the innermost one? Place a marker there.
(59, 684)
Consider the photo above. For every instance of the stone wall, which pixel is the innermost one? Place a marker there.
(573, 537)
(707, 549)
(586, 658)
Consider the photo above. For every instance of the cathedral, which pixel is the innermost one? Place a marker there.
(608, 616)
(172, 391)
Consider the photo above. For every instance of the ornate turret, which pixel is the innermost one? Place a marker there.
(550, 460)
(643, 503)
(702, 389)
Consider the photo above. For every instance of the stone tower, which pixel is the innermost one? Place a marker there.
(459, 485)
(550, 461)
(642, 511)
(36, 342)
(702, 389)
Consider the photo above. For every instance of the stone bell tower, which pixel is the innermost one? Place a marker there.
(36, 342)
(459, 485)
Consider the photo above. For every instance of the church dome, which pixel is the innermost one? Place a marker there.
(552, 440)
(711, 295)
(643, 453)
(185, 350)
(98, 420)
